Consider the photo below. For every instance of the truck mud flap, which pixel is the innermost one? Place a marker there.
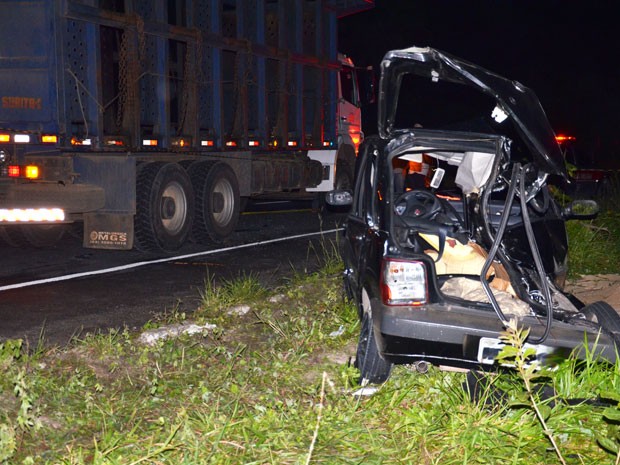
(108, 231)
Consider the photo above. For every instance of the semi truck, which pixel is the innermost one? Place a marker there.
(149, 123)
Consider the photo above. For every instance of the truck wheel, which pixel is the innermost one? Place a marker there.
(13, 236)
(344, 176)
(373, 368)
(43, 235)
(217, 201)
(164, 207)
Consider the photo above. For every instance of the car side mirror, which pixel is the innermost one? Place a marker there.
(339, 198)
(581, 210)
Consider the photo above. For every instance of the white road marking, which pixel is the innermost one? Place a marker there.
(159, 260)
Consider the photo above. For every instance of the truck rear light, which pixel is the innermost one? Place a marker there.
(292, 143)
(231, 143)
(14, 171)
(31, 215)
(17, 171)
(403, 282)
(181, 142)
(149, 142)
(115, 141)
(327, 143)
(207, 143)
(76, 141)
(49, 138)
(254, 143)
(31, 172)
(21, 138)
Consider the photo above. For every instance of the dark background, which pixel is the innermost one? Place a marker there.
(566, 51)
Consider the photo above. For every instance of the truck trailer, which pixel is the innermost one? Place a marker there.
(147, 123)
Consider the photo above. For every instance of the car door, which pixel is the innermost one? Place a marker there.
(361, 221)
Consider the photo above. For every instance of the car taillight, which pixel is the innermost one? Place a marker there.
(403, 282)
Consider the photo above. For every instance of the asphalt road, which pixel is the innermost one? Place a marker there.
(69, 291)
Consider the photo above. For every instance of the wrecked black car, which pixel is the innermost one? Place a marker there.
(453, 229)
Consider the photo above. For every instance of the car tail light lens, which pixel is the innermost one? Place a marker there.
(403, 282)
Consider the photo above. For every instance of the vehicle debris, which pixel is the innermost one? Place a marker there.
(152, 336)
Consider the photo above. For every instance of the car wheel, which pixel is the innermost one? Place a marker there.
(373, 368)
(606, 316)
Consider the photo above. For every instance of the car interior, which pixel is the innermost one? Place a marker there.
(433, 192)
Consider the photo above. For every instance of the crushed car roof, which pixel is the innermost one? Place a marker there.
(513, 99)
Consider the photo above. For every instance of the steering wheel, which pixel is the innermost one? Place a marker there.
(417, 205)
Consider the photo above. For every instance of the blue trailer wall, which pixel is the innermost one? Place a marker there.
(199, 69)
(27, 66)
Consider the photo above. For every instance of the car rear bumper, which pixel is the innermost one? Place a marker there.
(453, 334)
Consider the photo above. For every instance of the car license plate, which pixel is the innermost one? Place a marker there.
(489, 348)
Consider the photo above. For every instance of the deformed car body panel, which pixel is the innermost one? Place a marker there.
(518, 101)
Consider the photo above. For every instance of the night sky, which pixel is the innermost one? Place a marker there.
(568, 52)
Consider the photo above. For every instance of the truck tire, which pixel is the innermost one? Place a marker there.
(373, 367)
(164, 207)
(31, 235)
(217, 201)
(43, 235)
(13, 236)
(344, 176)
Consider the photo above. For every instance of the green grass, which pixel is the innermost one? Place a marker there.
(594, 246)
(274, 385)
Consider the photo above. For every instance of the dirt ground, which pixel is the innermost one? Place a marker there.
(593, 288)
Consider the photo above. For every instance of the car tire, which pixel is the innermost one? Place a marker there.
(604, 315)
(373, 367)
(164, 207)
